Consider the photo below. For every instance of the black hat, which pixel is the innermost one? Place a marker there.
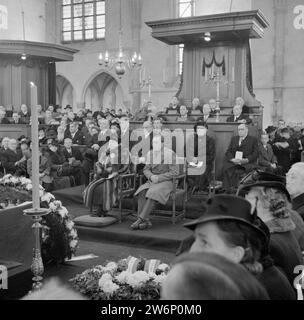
(258, 178)
(228, 207)
(270, 129)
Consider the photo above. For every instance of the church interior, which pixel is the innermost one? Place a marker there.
(151, 149)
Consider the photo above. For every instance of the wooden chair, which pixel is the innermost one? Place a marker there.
(179, 192)
(126, 188)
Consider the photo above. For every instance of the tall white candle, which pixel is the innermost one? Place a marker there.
(149, 87)
(232, 75)
(35, 147)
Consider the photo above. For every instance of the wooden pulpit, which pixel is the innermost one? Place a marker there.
(217, 59)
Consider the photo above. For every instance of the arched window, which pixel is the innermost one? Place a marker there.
(83, 20)
(186, 8)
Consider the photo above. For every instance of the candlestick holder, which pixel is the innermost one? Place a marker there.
(37, 267)
(146, 83)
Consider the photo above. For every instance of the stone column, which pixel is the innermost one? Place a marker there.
(136, 24)
(280, 12)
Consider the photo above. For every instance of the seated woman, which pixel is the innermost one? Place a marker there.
(102, 191)
(160, 168)
(45, 178)
(183, 114)
(206, 144)
(229, 229)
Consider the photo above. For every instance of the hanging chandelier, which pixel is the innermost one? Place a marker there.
(120, 62)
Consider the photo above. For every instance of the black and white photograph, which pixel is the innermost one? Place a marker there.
(151, 150)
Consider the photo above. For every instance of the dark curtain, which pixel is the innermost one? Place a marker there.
(52, 83)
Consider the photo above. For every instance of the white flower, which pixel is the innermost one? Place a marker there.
(23, 180)
(160, 279)
(53, 206)
(109, 287)
(73, 233)
(73, 244)
(47, 197)
(104, 278)
(112, 266)
(58, 203)
(69, 224)
(123, 277)
(137, 279)
(41, 192)
(163, 267)
(63, 212)
(29, 187)
(14, 180)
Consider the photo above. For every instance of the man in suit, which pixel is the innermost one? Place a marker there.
(196, 107)
(241, 102)
(13, 159)
(75, 160)
(241, 157)
(24, 113)
(267, 161)
(238, 116)
(16, 119)
(3, 119)
(75, 134)
(173, 106)
(295, 186)
(206, 113)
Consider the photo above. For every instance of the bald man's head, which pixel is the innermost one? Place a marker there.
(295, 179)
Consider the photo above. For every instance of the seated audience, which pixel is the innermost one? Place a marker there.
(241, 102)
(267, 161)
(271, 131)
(205, 145)
(13, 159)
(212, 104)
(16, 119)
(295, 186)
(208, 276)
(283, 147)
(238, 116)
(24, 113)
(48, 118)
(45, 178)
(42, 137)
(70, 117)
(40, 112)
(74, 133)
(159, 184)
(229, 229)
(206, 113)
(173, 106)
(3, 119)
(240, 158)
(75, 159)
(183, 114)
(196, 107)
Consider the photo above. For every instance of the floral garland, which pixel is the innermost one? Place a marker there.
(59, 236)
(128, 279)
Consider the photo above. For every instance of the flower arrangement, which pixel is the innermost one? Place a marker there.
(128, 279)
(59, 236)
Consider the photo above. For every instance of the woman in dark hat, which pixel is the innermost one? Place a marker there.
(208, 276)
(270, 200)
(228, 228)
(102, 191)
(203, 146)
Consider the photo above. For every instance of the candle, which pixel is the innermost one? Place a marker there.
(35, 148)
(232, 75)
(206, 74)
(164, 75)
(149, 87)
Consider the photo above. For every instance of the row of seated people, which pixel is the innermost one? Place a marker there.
(54, 116)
